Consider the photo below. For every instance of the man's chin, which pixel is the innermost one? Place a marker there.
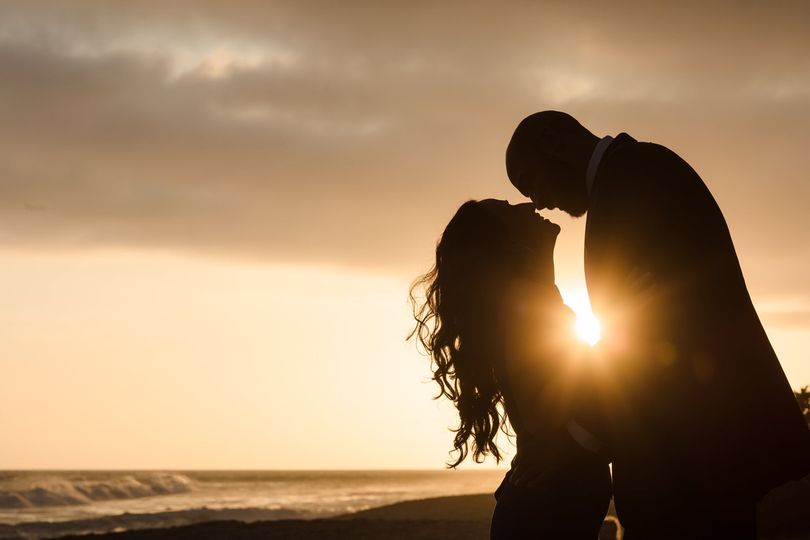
(575, 211)
(573, 206)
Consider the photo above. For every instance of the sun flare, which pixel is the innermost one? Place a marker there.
(586, 327)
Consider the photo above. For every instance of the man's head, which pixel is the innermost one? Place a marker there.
(547, 161)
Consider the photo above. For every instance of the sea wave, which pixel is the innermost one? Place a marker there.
(127, 521)
(59, 491)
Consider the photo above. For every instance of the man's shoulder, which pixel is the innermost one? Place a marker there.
(634, 156)
(646, 167)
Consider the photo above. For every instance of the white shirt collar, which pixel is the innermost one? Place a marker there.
(596, 157)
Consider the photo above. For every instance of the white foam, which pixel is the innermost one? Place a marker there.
(45, 491)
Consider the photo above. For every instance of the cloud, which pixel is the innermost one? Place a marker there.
(786, 312)
(295, 131)
(789, 319)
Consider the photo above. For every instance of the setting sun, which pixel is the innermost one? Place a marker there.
(586, 327)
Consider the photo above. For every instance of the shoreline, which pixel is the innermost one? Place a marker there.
(427, 518)
(455, 517)
(782, 514)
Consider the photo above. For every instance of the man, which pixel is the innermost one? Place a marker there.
(694, 409)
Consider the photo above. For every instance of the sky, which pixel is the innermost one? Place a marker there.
(210, 212)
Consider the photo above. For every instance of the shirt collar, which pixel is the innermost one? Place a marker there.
(596, 157)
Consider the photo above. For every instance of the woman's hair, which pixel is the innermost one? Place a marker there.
(458, 322)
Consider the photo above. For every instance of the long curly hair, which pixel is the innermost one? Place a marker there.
(458, 325)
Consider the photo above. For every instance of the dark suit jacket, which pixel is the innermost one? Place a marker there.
(694, 398)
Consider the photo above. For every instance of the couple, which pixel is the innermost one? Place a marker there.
(683, 395)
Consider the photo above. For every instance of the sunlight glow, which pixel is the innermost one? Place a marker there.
(586, 327)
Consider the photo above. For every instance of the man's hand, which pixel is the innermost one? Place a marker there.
(527, 471)
(534, 462)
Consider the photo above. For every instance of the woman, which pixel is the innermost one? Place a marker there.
(502, 347)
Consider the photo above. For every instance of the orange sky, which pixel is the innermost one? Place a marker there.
(211, 212)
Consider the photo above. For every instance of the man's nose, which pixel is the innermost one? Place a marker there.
(537, 203)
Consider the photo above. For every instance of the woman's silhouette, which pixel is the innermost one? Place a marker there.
(502, 347)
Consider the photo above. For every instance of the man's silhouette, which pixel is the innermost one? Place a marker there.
(696, 413)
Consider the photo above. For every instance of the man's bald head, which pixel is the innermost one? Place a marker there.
(547, 159)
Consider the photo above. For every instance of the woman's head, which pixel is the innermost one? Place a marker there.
(487, 249)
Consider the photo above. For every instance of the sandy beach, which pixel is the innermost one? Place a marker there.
(457, 517)
(782, 515)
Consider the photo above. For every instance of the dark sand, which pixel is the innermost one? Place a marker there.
(359, 529)
(461, 517)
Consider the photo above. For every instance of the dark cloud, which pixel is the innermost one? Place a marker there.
(297, 131)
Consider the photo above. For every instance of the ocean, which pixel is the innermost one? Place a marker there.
(47, 504)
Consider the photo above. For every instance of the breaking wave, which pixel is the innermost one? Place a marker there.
(58, 491)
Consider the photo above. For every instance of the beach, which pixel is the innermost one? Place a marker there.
(449, 518)
(51, 504)
(453, 517)
(782, 515)
(458, 517)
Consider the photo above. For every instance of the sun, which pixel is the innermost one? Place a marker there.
(586, 327)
